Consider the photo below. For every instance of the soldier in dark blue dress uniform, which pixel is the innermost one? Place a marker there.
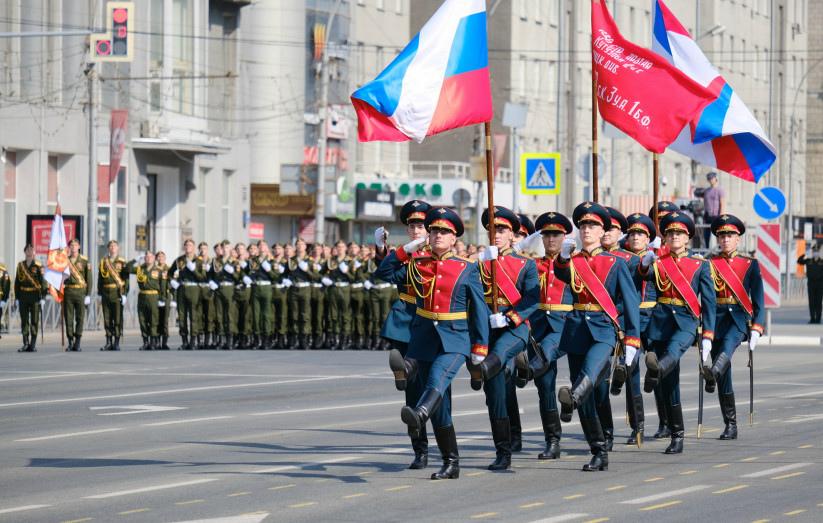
(592, 329)
(396, 328)
(517, 298)
(451, 323)
(679, 278)
(740, 313)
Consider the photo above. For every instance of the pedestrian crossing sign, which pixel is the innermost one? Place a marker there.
(540, 173)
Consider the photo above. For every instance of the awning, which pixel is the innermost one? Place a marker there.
(159, 144)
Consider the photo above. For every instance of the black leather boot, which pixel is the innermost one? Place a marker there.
(475, 376)
(420, 445)
(662, 416)
(26, 344)
(513, 408)
(656, 369)
(403, 369)
(319, 341)
(32, 344)
(107, 345)
(206, 341)
(501, 433)
(523, 372)
(76, 347)
(145, 345)
(677, 429)
(447, 443)
(597, 445)
(721, 365)
(165, 343)
(604, 414)
(637, 420)
(228, 342)
(729, 410)
(185, 344)
(551, 431)
(491, 366)
(416, 417)
(570, 398)
(619, 377)
(116, 345)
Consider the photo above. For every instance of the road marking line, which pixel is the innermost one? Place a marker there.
(237, 494)
(709, 431)
(561, 518)
(776, 470)
(135, 511)
(190, 502)
(761, 521)
(794, 512)
(22, 508)
(652, 480)
(352, 496)
(598, 520)
(805, 446)
(777, 453)
(284, 468)
(67, 435)
(790, 475)
(820, 504)
(730, 489)
(67, 375)
(81, 520)
(720, 466)
(321, 480)
(662, 505)
(753, 458)
(688, 472)
(181, 421)
(167, 392)
(573, 496)
(664, 495)
(281, 487)
(484, 515)
(533, 505)
(341, 407)
(474, 474)
(366, 473)
(395, 489)
(616, 487)
(303, 505)
(151, 489)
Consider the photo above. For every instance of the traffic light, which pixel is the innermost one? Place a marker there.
(116, 44)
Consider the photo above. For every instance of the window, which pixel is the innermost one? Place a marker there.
(183, 55)
(10, 207)
(201, 202)
(157, 35)
(112, 200)
(538, 12)
(523, 9)
(361, 2)
(522, 75)
(52, 182)
(398, 6)
(731, 53)
(755, 61)
(381, 5)
(743, 56)
(226, 201)
(551, 82)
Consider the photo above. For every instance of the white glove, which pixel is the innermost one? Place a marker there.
(368, 285)
(754, 336)
(357, 264)
(161, 304)
(344, 267)
(244, 264)
(489, 253)
(16, 304)
(173, 304)
(229, 268)
(317, 267)
(705, 348)
(630, 352)
(326, 281)
(266, 265)
(213, 286)
(477, 359)
(246, 280)
(174, 284)
(567, 248)
(281, 268)
(498, 321)
(123, 301)
(529, 243)
(380, 235)
(3, 304)
(648, 259)
(656, 243)
(287, 282)
(412, 246)
(87, 300)
(303, 266)
(191, 266)
(42, 303)
(141, 259)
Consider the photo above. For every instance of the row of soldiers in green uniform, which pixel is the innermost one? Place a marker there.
(242, 297)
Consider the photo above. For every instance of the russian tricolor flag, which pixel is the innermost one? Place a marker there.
(440, 81)
(725, 135)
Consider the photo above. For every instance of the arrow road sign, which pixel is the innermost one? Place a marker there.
(769, 203)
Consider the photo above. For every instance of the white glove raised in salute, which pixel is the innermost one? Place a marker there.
(490, 252)
(303, 266)
(174, 284)
(754, 337)
(413, 245)
(229, 268)
(529, 243)
(380, 235)
(266, 265)
(648, 259)
(567, 248)
(344, 267)
(357, 264)
(191, 265)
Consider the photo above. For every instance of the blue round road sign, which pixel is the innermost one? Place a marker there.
(769, 203)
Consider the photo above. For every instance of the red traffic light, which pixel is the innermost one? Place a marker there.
(120, 16)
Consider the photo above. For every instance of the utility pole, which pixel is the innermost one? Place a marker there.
(322, 143)
(571, 108)
(91, 211)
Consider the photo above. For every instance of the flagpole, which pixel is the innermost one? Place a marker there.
(490, 192)
(595, 155)
(656, 189)
(62, 326)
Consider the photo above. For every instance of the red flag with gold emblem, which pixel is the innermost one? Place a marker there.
(57, 263)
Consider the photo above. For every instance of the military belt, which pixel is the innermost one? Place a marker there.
(75, 286)
(382, 285)
(356, 285)
(317, 285)
(204, 285)
(500, 301)
(149, 292)
(408, 298)
(301, 284)
(671, 301)
(227, 284)
(442, 316)
(648, 304)
(560, 307)
(29, 289)
(727, 301)
(189, 284)
(588, 307)
(262, 282)
(110, 286)
(341, 284)
(279, 286)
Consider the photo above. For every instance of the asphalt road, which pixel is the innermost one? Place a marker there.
(316, 436)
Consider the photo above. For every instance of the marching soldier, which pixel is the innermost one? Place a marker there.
(262, 272)
(547, 327)
(207, 289)
(223, 272)
(301, 274)
(740, 314)
(152, 287)
(113, 287)
(165, 303)
(278, 298)
(593, 328)
(451, 323)
(518, 296)
(338, 279)
(676, 319)
(30, 289)
(380, 294)
(76, 295)
(185, 276)
(358, 298)
(318, 298)
(5, 287)
(242, 298)
(397, 327)
(641, 231)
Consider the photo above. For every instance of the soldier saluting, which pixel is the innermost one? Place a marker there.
(113, 286)
(152, 287)
(30, 291)
(76, 295)
(185, 275)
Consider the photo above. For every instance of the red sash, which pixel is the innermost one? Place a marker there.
(724, 269)
(684, 288)
(505, 283)
(595, 286)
